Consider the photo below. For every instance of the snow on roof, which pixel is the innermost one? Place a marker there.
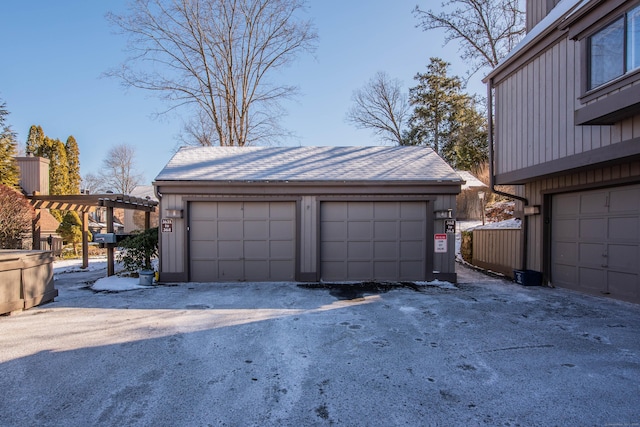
(143, 191)
(307, 164)
(470, 180)
(559, 13)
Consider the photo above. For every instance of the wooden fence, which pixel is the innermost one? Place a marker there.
(498, 249)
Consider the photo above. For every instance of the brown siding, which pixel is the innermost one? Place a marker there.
(535, 107)
(498, 250)
(535, 191)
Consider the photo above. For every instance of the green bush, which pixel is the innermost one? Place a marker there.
(138, 250)
(466, 246)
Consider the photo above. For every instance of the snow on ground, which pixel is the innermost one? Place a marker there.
(116, 283)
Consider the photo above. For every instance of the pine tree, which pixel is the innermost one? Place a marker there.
(446, 119)
(35, 141)
(9, 172)
(73, 162)
(58, 167)
(71, 229)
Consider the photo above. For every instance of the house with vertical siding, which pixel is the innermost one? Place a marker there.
(566, 129)
(306, 214)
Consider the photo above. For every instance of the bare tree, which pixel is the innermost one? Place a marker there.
(118, 174)
(216, 56)
(91, 184)
(380, 105)
(485, 29)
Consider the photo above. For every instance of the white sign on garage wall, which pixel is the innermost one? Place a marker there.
(440, 243)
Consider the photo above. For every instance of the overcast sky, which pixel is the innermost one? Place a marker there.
(55, 52)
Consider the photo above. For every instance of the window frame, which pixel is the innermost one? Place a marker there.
(627, 77)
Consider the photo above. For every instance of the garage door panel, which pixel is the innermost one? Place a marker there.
(568, 204)
(360, 210)
(202, 269)
(624, 200)
(281, 270)
(239, 240)
(359, 250)
(565, 275)
(256, 230)
(411, 250)
(281, 250)
(255, 249)
(230, 229)
(592, 279)
(566, 253)
(284, 211)
(625, 228)
(385, 230)
(624, 285)
(623, 256)
(255, 210)
(282, 230)
(412, 229)
(333, 251)
(231, 269)
(205, 249)
(386, 211)
(593, 228)
(593, 203)
(230, 249)
(359, 270)
(592, 253)
(565, 229)
(608, 242)
(377, 235)
(385, 250)
(386, 271)
(359, 230)
(334, 230)
(409, 269)
(229, 210)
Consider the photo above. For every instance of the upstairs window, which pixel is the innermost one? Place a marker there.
(615, 50)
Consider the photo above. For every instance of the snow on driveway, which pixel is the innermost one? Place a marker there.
(483, 352)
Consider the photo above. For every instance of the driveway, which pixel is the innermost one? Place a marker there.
(485, 352)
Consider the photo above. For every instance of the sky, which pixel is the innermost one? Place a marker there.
(55, 55)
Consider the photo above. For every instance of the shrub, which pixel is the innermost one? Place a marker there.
(16, 217)
(138, 249)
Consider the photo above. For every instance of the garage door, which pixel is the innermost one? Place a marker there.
(238, 241)
(596, 242)
(372, 241)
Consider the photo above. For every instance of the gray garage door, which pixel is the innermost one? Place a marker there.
(596, 242)
(372, 241)
(238, 241)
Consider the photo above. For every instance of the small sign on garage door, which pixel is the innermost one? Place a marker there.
(440, 241)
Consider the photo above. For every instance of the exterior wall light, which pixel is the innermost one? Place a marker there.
(173, 213)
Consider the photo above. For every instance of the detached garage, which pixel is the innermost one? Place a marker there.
(306, 214)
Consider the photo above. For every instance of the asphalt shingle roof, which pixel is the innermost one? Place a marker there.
(307, 164)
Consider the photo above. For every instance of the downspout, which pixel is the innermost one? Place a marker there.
(159, 197)
(492, 178)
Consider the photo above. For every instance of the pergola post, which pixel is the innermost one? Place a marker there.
(109, 246)
(85, 239)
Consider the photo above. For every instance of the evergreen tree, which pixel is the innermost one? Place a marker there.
(35, 141)
(9, 172)
(435, 99)
(71, 229)
(446, 119)
(58, 166)
(73, 162)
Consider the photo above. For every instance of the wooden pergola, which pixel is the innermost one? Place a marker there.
(84, 204)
